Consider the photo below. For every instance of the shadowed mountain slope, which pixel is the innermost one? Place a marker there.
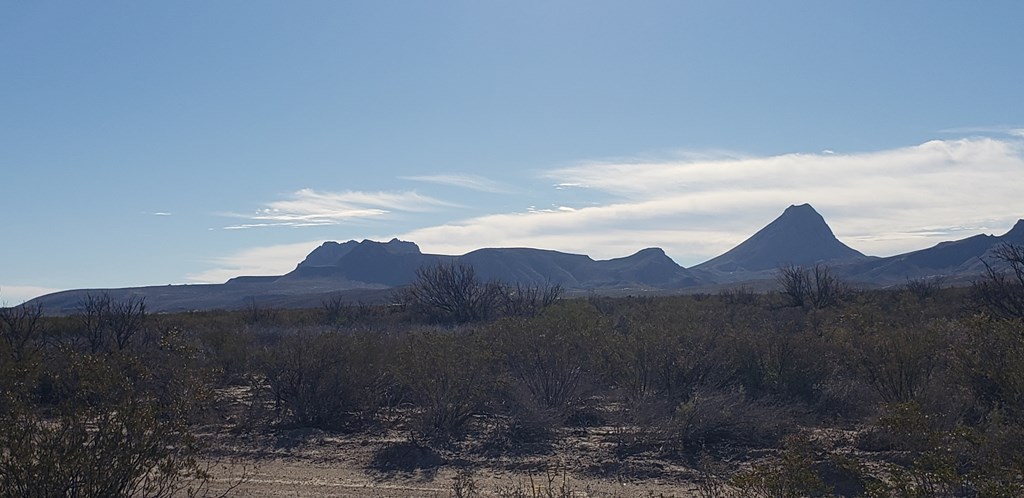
(648, 268)
(953, 260)
(390, 264)
(799, 236)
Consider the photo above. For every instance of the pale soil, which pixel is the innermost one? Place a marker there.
(312, 463)
(277, 462)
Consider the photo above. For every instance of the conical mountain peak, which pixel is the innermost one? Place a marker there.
(800, 236)
(804, 208)
(801, 217)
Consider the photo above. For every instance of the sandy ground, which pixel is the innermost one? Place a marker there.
(311, 463)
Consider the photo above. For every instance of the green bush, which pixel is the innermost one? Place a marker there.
(327, 380)
(114, 424)
(550, 358)
(445, 375)
(790, 475)
(720, 417)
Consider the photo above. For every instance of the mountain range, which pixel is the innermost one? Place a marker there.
(369, 271)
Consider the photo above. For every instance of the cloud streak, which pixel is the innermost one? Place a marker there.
(472, 182)
(308, 208)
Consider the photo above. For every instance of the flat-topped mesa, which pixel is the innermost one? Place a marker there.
(799, 236)
(331, 253)
(391, 263)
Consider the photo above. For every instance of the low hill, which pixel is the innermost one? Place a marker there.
(958, 260)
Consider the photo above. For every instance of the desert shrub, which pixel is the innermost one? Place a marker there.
(554, 482)
(901, 427)
(816, 287)
(550, 357)
(106, 323)
(779, 355)
(936, 459)
(257, 313)
(658, 355)
(225, 344)
(406, 456)
(793, 356)
(326, 380)
(843, 397)
(464, 486)
(21, 331)
(228, 351)
(116, 423)
(789, 475)
(937, 462)
(526, 301)
(924, 288)
(451, 293)
(123, 449)
(656, 359)
(1000, 292)
(990, 363)
(445, 375)
(899, 361)
(718, 417)
(338, 313)
(642, 427)
(741, 295)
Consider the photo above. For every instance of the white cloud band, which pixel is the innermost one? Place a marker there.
(308, 207)
(698, 207)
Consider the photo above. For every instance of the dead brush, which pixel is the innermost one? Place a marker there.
(554, 483)
(464, 486)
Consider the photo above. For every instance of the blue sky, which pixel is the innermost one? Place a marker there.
(145, 143)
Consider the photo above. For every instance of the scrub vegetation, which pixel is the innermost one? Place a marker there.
(817, 389)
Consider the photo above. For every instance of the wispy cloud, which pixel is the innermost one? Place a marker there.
(308, 207)
(697, 208)
(162, 213)
(568, 185)
(472, 182)
(1000, 130)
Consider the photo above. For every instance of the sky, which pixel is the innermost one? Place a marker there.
(149, 143)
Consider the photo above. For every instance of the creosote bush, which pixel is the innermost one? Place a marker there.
(445, 375)
(550, 360)
(326, 380)
(790, 475)
(89, 422)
